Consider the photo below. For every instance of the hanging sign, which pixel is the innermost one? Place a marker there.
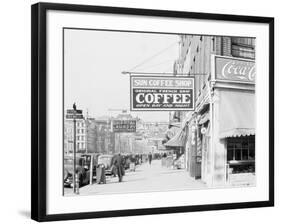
(152, 93)
(71, 111)
(71, 114)
(74, 116)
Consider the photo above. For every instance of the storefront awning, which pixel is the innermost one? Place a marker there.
(177, 141)
(175, 124)
(161, 147)
(237, 113)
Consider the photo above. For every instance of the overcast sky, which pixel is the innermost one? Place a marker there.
(94, 61)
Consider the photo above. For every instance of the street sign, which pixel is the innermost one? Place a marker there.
(72, 116)
(124, 125)
(71, 111)
(170, 93)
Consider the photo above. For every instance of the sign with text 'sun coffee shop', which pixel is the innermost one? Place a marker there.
(169, 93)
(235, 69)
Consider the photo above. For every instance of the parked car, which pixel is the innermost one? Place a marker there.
(88, 157)
(81, 170)
(107, 161)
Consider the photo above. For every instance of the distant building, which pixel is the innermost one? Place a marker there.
(69, 135)
(153, 133)
(92, 135)
(100, 136)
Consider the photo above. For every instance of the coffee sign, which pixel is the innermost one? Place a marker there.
(150, 93)
(235, 69)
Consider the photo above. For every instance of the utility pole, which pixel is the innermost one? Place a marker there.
(87, 124)
(74, 149)
(107, 136)
(74, 114)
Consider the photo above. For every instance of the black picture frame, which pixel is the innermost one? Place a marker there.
(39, 110)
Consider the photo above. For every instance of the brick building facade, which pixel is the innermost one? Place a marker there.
(220, 142)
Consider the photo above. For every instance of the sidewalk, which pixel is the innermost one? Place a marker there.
(146, 178)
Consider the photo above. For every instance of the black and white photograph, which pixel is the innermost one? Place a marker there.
(142, 112)
(150, 112)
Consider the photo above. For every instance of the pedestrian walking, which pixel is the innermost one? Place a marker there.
(149, 158)
(119, 165)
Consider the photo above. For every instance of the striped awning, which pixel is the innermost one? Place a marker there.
(177, 141)
(175, 124)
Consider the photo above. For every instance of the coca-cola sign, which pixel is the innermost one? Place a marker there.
(235, 69)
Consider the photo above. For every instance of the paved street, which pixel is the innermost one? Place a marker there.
(145, 178)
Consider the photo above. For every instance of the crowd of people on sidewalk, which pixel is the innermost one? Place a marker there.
(123, 162)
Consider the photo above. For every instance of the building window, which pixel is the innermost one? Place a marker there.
(242, 148)
(243, 47)
(241, 154)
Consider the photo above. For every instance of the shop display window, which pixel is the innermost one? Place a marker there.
(241, 154)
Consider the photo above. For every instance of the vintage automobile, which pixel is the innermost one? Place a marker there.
(88, 158)
(81, 170)
(107, 161)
